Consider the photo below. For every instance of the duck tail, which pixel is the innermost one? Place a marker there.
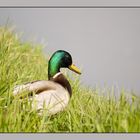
(20, 88)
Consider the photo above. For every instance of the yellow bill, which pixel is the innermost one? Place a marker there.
(74, 68)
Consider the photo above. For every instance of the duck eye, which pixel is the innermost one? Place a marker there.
(67, 60)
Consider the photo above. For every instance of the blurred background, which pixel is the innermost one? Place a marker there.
(104, 42)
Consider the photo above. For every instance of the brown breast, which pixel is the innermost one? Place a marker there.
(60, 78)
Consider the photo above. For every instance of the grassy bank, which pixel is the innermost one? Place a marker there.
(88, 110)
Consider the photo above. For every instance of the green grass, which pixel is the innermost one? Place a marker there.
(88, 110)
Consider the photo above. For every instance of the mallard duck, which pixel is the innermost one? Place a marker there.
(55, 93)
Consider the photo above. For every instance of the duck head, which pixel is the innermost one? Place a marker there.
(60, 59)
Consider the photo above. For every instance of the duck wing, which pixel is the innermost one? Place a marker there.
(35, 86)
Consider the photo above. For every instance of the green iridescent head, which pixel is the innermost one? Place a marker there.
(60, 59)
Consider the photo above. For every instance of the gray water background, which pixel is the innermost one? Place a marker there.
(104, 42)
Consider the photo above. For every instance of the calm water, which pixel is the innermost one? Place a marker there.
(104, 43)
